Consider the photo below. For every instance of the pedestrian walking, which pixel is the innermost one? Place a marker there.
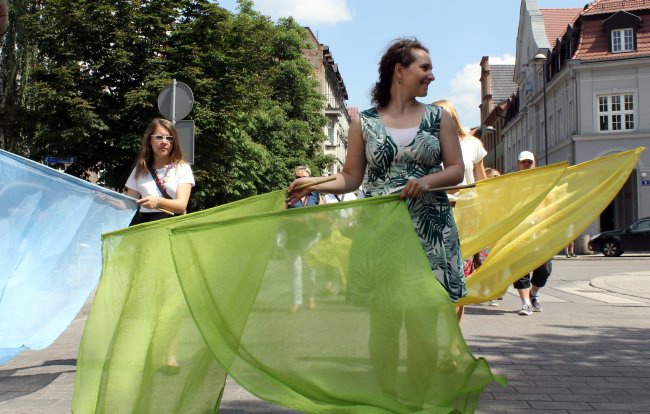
(300, 267)
(528, 287)
(570, 249)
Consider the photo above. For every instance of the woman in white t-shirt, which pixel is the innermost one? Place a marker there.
(471, 147)
(161, 180)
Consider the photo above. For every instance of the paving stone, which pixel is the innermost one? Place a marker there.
(558, 362)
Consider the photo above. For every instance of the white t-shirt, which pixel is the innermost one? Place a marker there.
(331, 198)
(473, 153)
(403, 136)
(144, 184)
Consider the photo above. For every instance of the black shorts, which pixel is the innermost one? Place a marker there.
(141, 217)
(540, 276)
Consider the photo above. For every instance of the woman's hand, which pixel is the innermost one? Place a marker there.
(150, 202)
(414, 188)
(295, 195)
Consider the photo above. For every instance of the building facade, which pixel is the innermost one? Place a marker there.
(497, 91)
(583, 92)
(332, 88)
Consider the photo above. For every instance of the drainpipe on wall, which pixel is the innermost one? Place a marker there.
(573, 76)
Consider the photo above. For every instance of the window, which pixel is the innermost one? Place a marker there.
(641, 225)
(330, 131)
(616, 112)
(622, 40)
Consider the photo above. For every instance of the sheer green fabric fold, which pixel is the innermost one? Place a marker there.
(139, 323)
(374, 331)
(328, 309)
(574, 202)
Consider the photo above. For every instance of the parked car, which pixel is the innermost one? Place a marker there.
(634, 238)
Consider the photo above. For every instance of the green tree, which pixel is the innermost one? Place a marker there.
(97, 68)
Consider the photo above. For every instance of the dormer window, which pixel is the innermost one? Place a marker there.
(622, 27)
(622, 40)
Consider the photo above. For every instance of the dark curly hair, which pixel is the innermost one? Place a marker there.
(399, 51)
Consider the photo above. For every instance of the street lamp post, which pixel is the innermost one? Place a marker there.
(541, 58)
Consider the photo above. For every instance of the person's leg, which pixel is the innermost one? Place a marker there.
(523, 287)
(383, 347)
(312, 293)
(423, 325)
(297, 284)
(539, 279)
(573, 249)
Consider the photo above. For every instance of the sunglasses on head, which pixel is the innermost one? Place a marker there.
(159, 138)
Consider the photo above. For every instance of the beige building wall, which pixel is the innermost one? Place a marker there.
(332, 88)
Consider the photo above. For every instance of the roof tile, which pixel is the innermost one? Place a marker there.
(501, 82)
(594, 41)
(611, 6)
(557, 20)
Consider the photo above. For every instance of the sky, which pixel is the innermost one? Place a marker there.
(458, 33)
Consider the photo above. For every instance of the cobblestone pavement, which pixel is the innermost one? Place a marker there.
(586, 352)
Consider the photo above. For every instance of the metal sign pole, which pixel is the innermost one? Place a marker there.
(174, 102)
(182, 100)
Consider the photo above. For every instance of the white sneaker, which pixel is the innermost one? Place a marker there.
(525, 310)
(493, 303)
(534, 304)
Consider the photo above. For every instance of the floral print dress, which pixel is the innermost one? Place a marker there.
(390, 166)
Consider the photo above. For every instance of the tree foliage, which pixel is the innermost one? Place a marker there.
(80, 79)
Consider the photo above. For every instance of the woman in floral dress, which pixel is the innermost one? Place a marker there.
(403, 144)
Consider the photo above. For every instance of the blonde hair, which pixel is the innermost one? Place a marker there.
(449, 107)
(145, 155)
(492, 172)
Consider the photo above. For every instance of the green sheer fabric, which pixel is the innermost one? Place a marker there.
(139, 323)
(327, 309)
(379, 333)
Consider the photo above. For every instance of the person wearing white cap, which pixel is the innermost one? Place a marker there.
(529, 287)
(526, 160)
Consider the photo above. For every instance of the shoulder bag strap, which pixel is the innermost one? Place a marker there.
(155, 180)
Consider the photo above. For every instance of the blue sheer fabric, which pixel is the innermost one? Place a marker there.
(50, 249)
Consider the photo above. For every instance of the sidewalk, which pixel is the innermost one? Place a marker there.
(635, 284)
(575, 357)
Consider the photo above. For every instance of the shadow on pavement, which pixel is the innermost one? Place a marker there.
(14, 385)
(246, 407)
(589, 368)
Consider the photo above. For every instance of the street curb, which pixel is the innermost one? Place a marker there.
(613, 284)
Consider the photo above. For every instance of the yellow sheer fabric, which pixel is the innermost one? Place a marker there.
(575, 201)
(494, 207)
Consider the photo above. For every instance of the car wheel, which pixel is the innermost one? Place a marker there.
(611, 248)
